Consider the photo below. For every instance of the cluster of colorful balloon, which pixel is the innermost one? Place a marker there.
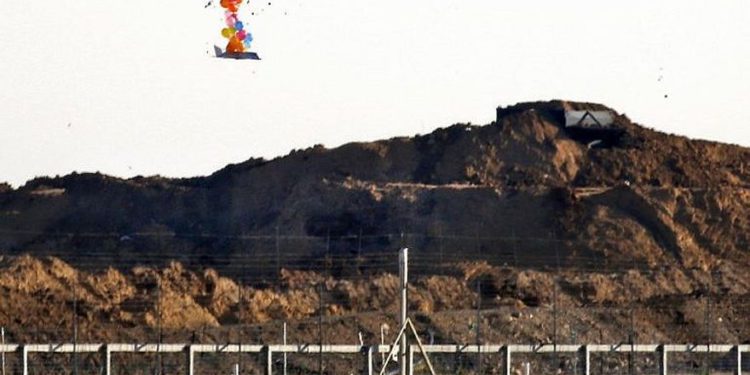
(239, 38)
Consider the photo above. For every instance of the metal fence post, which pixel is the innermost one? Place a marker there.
(410, 360)
(284, 339)
(2, 333)
(507, 365)
(25, 359)
(663, 363)
(268, 360)
(370, 368)
(403, 261)
(189, 360)
(738, 351)
(106, 360)
(586, 359)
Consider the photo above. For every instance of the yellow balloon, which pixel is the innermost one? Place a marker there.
(226, 32)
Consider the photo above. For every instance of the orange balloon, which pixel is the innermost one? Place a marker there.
(235, 45)
(231, 5)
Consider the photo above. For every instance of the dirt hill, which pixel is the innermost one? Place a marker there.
(521, 204)
(524, 176)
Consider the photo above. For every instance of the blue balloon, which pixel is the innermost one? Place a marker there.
(247, 43)
(238, 26)
(248, 38)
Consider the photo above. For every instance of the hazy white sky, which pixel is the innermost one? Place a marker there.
(127, 88)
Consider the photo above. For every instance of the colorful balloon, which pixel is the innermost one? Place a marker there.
(239, 38)
(235, 46)
(230, 5)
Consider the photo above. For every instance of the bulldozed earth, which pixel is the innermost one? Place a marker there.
(552, 238)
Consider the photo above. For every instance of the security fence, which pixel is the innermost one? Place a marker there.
(289, 304)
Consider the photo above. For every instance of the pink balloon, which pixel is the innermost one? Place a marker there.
(241, 34)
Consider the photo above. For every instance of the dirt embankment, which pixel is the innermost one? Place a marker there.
(44, 298)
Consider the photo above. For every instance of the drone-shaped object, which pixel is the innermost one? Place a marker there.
(238, 46)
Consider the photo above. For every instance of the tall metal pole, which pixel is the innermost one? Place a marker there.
(403, 261)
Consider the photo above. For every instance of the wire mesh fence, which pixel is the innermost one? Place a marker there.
(625, 363)
(343, 290)
(145, 364)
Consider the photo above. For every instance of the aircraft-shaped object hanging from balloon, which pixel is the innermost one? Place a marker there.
(238, 47)
(235, 55)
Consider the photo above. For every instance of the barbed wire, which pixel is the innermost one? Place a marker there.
(549, 238)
